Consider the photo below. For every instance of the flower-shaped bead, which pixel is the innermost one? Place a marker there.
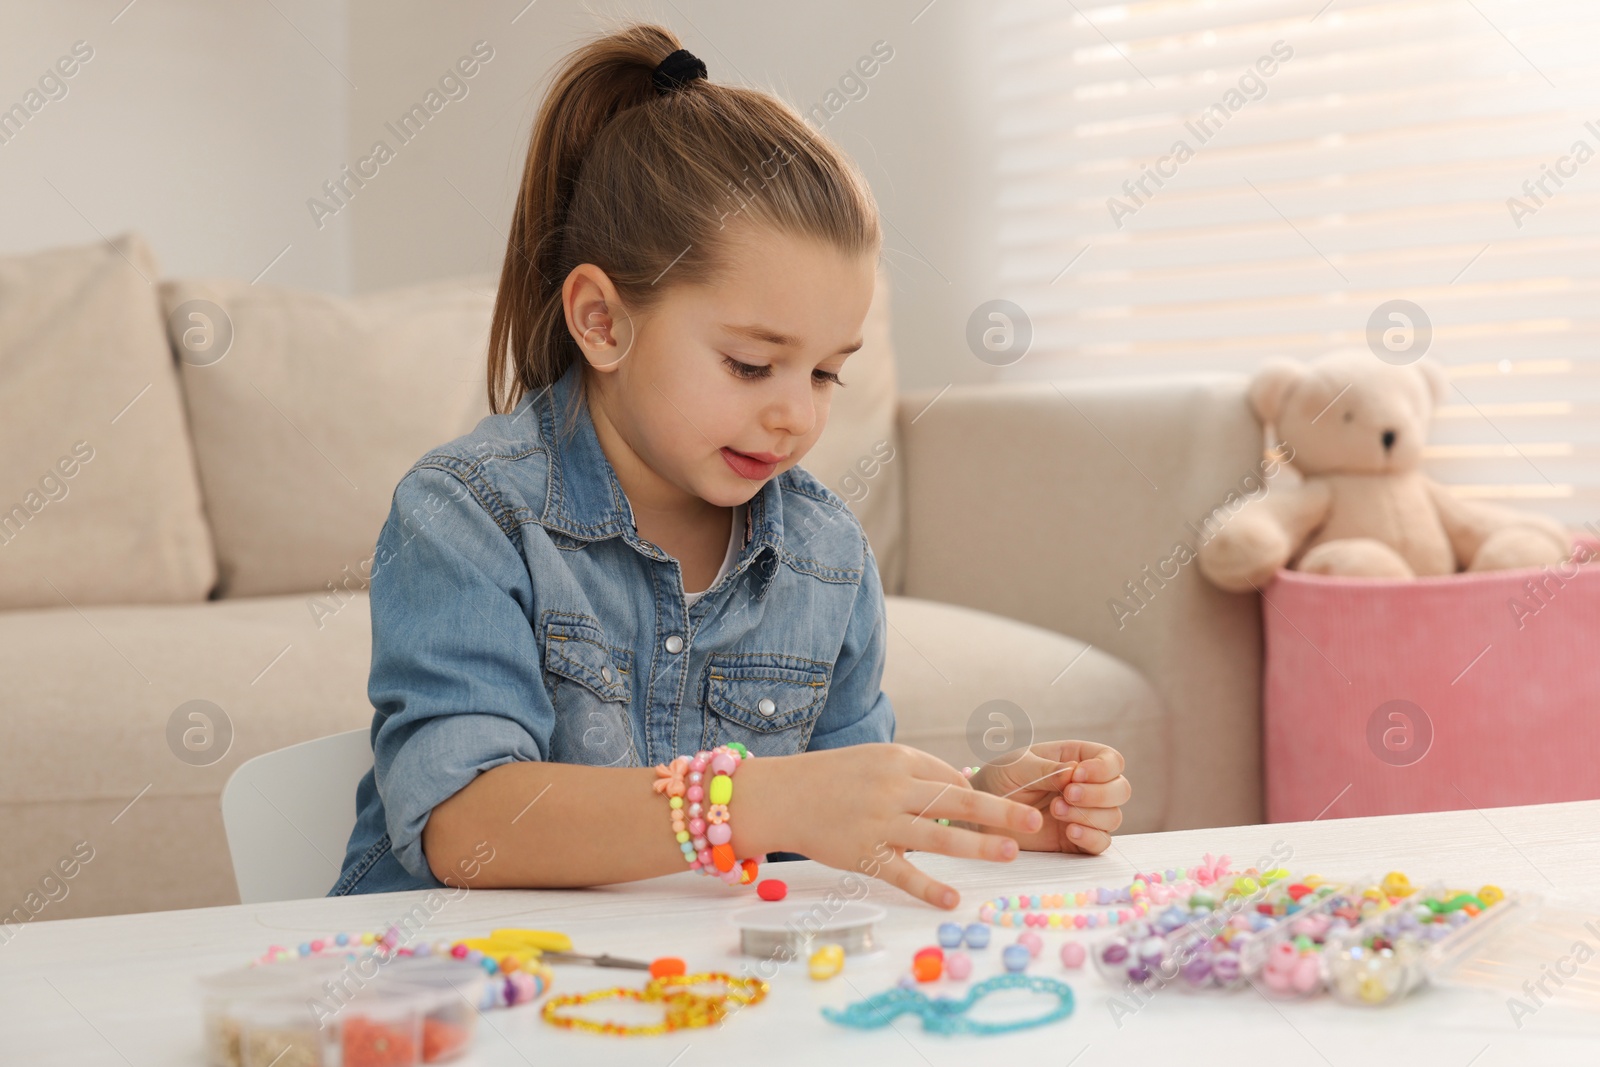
(717, 813)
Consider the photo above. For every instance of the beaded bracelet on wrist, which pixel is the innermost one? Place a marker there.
(701, 815)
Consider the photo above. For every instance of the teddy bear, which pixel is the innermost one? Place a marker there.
(1354, 427)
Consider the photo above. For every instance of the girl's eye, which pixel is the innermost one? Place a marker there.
(746, 371)
(820, 376)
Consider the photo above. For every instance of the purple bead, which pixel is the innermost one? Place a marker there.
(1197, 972)
(1226, 967)
(1114, 953)
(1152, 950)
(1138, 975)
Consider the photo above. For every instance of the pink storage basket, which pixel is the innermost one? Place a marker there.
(1383, 697)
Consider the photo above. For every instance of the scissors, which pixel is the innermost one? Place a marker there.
(554, 947)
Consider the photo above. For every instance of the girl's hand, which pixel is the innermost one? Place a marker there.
(861, 808)
(1079, 784)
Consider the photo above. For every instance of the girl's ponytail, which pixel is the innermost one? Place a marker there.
(640, 182)
(606, 76)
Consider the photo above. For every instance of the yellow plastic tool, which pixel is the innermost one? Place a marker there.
(552, 946)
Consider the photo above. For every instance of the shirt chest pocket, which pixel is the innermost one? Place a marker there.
(765, 701)
(591, 689)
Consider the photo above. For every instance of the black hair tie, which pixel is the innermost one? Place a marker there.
(677, 70)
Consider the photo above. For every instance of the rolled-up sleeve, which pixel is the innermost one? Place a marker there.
(455, 682)
(858, 711)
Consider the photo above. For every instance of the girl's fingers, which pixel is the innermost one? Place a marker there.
(1112, 794)
(1099, 763)
(1086, 839)
(934, 801)
(1105, 819)
(928, 766)
(902, 874)
(925, 835)
(1035, 773)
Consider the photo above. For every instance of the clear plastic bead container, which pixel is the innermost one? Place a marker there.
(222, 995)
(1194, 948)
(1390, 955)
(340, 1012)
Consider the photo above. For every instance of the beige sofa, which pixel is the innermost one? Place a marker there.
(196, 473)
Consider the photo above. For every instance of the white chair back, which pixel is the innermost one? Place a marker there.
(288, 815)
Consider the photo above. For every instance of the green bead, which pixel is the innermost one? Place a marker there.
(1203, 900)
(1304, 943)
(683, 835)
(739, 748)
(721, 790)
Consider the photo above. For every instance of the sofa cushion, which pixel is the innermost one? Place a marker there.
(99, 503)
(945, 663)
(858, 455)
(99, 742)
(307, 409)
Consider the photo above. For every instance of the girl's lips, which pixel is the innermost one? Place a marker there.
(757, 467)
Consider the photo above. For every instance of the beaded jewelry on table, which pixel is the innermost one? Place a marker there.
(1123, 904)
(514, 978)
(948, 1015)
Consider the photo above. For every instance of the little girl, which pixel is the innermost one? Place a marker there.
(617, 631)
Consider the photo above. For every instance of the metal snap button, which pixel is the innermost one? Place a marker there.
(605, 673)
(765, 706)
(674, 644)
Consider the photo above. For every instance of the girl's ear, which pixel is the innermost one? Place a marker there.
(590, 302)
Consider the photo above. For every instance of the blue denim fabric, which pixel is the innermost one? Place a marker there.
(517, 615)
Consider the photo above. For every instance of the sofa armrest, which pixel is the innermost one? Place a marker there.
(1077, 506)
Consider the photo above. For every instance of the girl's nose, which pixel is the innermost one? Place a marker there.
(793, 411)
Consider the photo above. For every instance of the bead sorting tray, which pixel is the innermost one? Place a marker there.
(331, 1012)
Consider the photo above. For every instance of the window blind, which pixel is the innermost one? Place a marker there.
(1192, 185)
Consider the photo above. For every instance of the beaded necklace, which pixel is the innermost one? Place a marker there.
(515, 977)
(685, 1008)
(1124, 904)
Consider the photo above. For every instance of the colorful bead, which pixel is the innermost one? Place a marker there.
(1016, 957)
(721, 790)
(826, 961)
(1073, 954)
(772, 889)
(958, 966)
(977, 935)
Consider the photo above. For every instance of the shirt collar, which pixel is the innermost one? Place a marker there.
(585, 500)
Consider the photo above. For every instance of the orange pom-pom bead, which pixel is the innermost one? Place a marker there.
(668, 967)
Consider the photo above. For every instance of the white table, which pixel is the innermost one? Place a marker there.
(121, 990)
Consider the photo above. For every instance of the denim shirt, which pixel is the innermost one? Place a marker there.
(518, 615)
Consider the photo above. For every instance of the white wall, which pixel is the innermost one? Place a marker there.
(209, 126)
(202, 125)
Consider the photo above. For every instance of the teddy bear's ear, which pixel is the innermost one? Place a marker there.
(1271, 385)
(1438, 381)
